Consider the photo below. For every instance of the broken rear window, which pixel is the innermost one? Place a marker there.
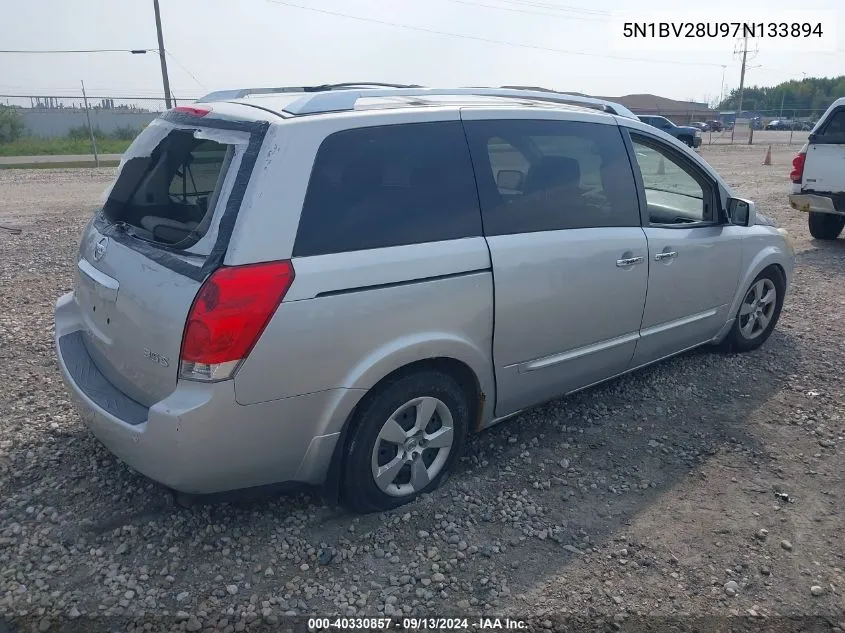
(170, 183)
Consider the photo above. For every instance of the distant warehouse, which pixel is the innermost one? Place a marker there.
(680, 112)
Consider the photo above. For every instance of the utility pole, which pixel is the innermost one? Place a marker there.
(783, 96)
(741, 73)
(90, 129)
(741, 84)
(722, 88)
(162, 57)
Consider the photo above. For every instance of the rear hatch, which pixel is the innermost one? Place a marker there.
(163, 228)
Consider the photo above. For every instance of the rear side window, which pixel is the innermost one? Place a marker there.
(835, 126)
(550, 175)
(391, 185)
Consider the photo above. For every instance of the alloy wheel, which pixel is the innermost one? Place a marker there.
(412, 446)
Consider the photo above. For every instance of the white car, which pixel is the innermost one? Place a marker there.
(818, 175)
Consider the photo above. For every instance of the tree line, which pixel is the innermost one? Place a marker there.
(811, 95)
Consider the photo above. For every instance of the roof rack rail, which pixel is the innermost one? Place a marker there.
(361, 84)
(239, 93)
(345, 99)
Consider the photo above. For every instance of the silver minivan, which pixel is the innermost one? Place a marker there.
(335, 286)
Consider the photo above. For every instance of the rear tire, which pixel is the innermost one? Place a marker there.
(404, 441)
(825, 226)
(758, 313)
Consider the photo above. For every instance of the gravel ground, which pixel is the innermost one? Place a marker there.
(708, 486)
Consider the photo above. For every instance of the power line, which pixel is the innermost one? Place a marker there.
(91, 50)
(487, 40)
(183, 67)
(555, 7)
(560, 16)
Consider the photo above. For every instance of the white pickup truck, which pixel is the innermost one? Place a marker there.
(818, 175)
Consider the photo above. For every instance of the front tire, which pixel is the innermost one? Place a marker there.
(404, 441)
(758, 313)
(688, 140)
(825, 226)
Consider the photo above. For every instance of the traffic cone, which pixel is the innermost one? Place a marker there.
(768, 159)
(661, 167)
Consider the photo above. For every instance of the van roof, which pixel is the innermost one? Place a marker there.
(287, 102)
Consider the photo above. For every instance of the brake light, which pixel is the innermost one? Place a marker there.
(797, 173)
(228, 315)
(191, 110)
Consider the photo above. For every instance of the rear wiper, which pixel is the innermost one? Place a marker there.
(124, 227)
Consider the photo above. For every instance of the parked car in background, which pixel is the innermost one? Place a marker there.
(301, 287)
(818, 175)
(701, 125)
(756, 123)
(684, 133)
(780, 124)
(716, 126)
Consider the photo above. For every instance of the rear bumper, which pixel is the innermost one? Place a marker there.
(817, 203)
(199, 439)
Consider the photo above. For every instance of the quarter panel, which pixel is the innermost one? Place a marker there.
(351, 319)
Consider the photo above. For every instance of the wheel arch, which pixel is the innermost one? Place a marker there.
(480, 396)
(770, 257)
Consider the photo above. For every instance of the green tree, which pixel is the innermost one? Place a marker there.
(11, 124)
(808, 97)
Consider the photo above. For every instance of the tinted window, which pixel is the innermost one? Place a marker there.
(836, 125)
(389, 186)
(550, 175)
(675, 193)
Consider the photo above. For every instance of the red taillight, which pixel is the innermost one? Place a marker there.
(191, 110)
(797, 173)
(228, 315)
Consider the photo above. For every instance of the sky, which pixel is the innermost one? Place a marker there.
(569, 45)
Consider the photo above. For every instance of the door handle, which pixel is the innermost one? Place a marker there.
(628, 261)
(659, 257)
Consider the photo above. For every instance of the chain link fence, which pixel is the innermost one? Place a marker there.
(56, 116)
(783, 126)
(59, 116)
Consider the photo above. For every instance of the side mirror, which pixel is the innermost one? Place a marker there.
(741, 212)
(510, 179)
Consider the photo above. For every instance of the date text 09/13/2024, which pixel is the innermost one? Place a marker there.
(415, 624)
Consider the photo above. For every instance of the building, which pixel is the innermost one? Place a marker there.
(680, 112)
